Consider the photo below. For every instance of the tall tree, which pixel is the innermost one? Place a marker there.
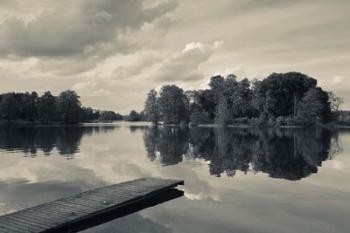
(280, 93)
(335, 101)
(28, 105)
(222, 113)
(240, 99)
(217, 86)
(46, 107)
(151, 107)
(9, 107)
(69, 107)
(173, 105)
(314, 107)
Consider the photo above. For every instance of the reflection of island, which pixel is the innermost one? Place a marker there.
(282, 153)
(30, 140)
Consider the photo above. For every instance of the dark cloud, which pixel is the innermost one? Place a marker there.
(83, 28)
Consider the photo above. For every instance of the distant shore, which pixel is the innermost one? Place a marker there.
(20, 122)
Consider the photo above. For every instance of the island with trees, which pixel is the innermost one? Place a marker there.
(281, 99)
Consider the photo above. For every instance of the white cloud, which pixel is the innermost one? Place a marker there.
(338, 79)
(185, 66)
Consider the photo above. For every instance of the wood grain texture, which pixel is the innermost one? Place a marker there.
(67, 213)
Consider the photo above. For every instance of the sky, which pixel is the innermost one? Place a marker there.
(112, 52)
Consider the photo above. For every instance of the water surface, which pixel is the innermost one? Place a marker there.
(236, 180)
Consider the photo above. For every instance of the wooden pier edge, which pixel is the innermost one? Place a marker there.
(93, 207)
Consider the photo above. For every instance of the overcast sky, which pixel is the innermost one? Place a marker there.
(112, 52)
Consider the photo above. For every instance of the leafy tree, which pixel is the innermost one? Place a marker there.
(134, 116)
(27, 106)
(280, 93)
(222, 113)
(46, 107)
(217, 86)
(173, 105)
(9, 107)
(200, 117)
(314, 107)
(240, 99)
(151, 107)
(335, 101)
(87, 114)
(69, 107)
(109, 116)
(207, 103)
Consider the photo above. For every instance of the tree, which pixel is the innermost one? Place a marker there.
(240, 99)
(87, 114)
(280, 93)
(69, 107)
(46, 107)
(217, 85)
(151, 107)
(199, 117)
(134, 116)
(9, 107)
(314, 107)
(335, 101)
(207, 103)
(222, 113)
(173, 105)
(27, 105)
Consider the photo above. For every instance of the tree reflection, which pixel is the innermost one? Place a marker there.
(282, 153)
(30, 140)
(170, 142)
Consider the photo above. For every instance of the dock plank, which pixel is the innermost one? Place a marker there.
(98, 205)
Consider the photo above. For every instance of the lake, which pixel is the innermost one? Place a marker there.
(236, 180)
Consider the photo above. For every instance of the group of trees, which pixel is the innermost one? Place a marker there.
(280, 99)
(171, 106)
(134, 116)
(65, 108)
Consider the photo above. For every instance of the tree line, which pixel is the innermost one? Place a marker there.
(280, 99)
(65, 108)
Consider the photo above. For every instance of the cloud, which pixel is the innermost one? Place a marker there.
(338, 79)
(137, 62)
(75, 30)
(184, 66)
(92, 90)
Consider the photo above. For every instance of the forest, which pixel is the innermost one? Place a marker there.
(65, 108)
(280, 99)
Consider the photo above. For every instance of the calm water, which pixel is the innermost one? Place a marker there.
(236, 180)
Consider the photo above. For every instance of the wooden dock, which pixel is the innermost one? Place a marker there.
(92, 207)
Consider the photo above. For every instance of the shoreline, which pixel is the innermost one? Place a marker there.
(18, 123)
